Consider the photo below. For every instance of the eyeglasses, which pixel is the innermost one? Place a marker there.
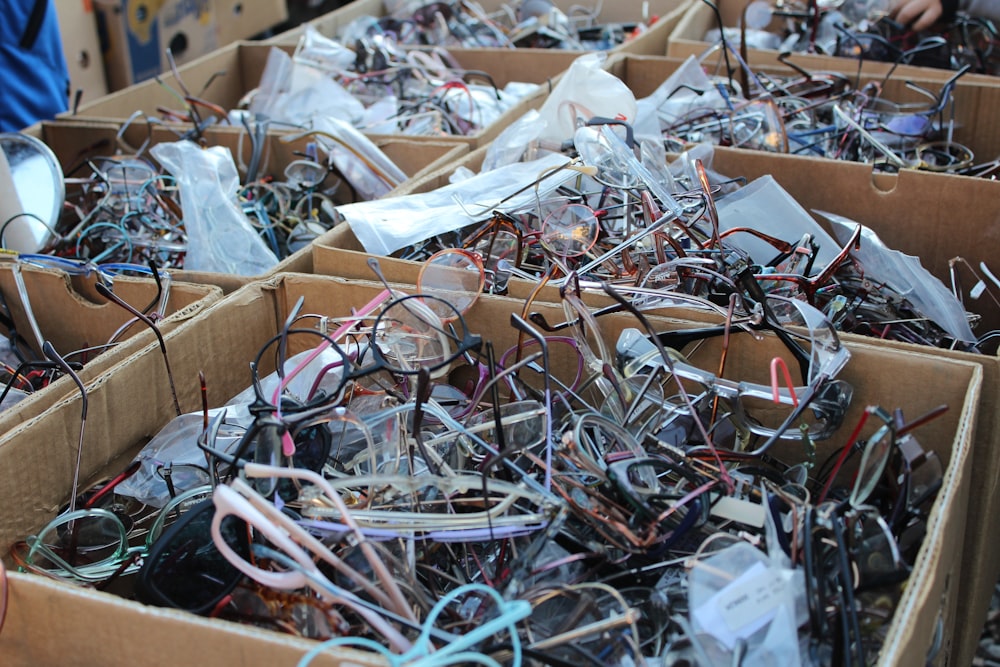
(825, 358)
(240, 500)
(93, 544)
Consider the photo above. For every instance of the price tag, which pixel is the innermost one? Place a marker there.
(751, 603)
(744, 606)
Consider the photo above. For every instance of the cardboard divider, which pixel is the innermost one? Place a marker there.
(74, 141)
(229, 74)
(73, 317)
(688, 39)
(37, 468)
(668, 13)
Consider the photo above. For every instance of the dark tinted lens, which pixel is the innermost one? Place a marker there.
(312, 447)
(185, 570)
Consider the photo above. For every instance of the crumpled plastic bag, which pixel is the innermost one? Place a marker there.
(741, 595)
(220, 236)
(585, 91)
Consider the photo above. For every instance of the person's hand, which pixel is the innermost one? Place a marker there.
(918, 14)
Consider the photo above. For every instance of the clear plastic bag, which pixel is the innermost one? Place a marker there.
(386, 225)
(905, 275)
(323, 53)
(296, 92)
(177, 443)
(686, 90)
(766, 206)
(585, 91)
(744, 600)
(514, 142)
(352, 154)
(220, 237)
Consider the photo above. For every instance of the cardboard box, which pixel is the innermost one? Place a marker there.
(49, 623)
(137, 33)
(934, 217)
(225, 77)
(667, 14)
(82, 48)
(231, 332)
(73, 316)
(688, 39)
(977, 126)
(72, 141)
(914, 212)
(243, 19)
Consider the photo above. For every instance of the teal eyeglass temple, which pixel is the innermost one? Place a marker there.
(458, 650)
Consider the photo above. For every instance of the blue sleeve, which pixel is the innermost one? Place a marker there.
(34, 81)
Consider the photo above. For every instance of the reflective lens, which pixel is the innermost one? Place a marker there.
(454, 275)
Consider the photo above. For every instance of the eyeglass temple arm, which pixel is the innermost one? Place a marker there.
(747, 280)
(50, 352)
(104, 291)
(49, 365)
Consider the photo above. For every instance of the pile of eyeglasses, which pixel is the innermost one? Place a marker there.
(405, 486)
(378, 86)
(863, 30)
(816, 114)
(605, 216)
(126, 209)
(521, 24)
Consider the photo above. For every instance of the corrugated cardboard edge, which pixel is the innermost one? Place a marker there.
(140, 635)
(62, 388)
(909, 630)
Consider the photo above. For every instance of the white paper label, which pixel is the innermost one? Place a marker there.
(744, 606)
(752, 602)
(735, 509)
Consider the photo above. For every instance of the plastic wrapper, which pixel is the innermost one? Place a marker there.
(363, 178)
(220, 237)
(177, 442)
(514, 142)
(386, 225)
(323, 53)
(687, 90)
(905, 275)
(766, 206)
(585, 91)
(742, 600)
(13, 397)
(296, 92)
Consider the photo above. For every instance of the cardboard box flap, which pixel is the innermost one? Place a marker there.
(134, 634)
